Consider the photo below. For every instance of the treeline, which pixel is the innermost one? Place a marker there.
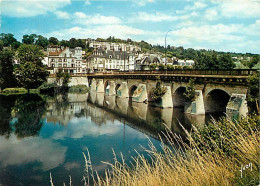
(8, 40)
(204, 59)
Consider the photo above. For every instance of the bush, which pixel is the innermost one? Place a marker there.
(158, 92)
(170, 67)
(153, 66)
(79, 89)
(187, 67)
(162, 67)
(14, 90)
(177, 67)
(47, 88)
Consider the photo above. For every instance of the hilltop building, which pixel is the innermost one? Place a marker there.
(113, 46)
(65, 59)
(108, 60)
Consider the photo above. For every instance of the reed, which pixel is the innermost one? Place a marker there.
(213, 156)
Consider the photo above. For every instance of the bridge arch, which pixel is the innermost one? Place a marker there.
(216, 101)
(131, 91)
(117, 87)
(179, 97)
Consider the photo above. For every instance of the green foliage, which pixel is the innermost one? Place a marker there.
(212, 61)
(187, 67)
(29, 39)
(253, 92)
(178, 67)
(29, 109)
(53, 41)
(190, 91)
(7, 39)
(7, 78)
(62, 79)
(162, 67)
(170, 67)
(153, 66)
(14, 90)
(218, 134)
(1, 45)
(158, 92)
(47, 88)
(79, 89)
(254, 61)
(31, 73)
(42, 41)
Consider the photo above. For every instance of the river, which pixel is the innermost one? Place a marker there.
(40, 135)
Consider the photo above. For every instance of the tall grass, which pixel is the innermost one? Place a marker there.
(214, 156)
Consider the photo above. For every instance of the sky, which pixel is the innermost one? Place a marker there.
(221, 25)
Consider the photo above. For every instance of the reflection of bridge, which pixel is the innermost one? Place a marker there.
(216, 91)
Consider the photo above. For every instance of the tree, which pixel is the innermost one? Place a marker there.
(72, 43)
(7, 39)
(7, 78)
(31, 72)
(53, 41)
(42, 41)
(1, 45)
(158, 92)
(190, 91)
(15, 44)
(64, 43)
(254, 61)
(29, 39)
(253, 90)
(225, 62)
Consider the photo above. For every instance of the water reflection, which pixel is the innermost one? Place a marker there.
(39, 135)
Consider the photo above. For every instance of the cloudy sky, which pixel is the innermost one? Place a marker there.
(222, 25)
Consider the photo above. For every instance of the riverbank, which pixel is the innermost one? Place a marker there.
(222, 153)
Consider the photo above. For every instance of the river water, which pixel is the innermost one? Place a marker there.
(40, 135)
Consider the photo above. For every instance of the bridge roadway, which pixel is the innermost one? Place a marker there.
(217, 76)
(216, 91)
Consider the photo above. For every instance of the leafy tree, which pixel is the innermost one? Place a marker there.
(29, 39)
(42, 41)
(254, 61)
(72, 43)
(31, 72)
(81, 43)
(15, 44)
(253, 90)
(7, 39)
(170, 67)
(225, 62)
(64, 43)
(153, 66)
(158, 92)
(7, 78)
(161, 66)
(190, 91)
(53, 41)
(1, 45)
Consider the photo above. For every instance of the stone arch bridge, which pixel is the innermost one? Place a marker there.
(215, 91)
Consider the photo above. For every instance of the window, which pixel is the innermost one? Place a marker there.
(65, 60)
(52, 60)
(59, 60)
(110, 56)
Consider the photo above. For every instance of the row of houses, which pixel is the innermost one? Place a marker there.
(74, 61)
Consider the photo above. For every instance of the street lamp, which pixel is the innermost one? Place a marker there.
(165, 45)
